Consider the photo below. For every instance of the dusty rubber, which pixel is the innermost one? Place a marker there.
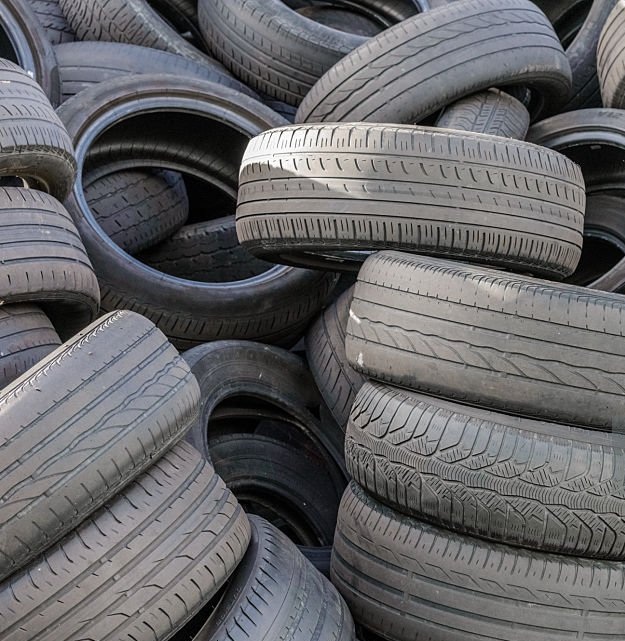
(53, 20)
(611, 58)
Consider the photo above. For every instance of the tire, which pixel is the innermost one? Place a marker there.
(287, 52)
(26, 337)
(410, 191)
(208, 252)
(82, 424)
(44, 260)
(404, 578)
(244, 370)
(275, 594)
(273, 307)
(138, 209)
(611, 59)
(543, 349)
(83, 64)
(337, 381)
(140, 567)
(290, 486)
(24, 42)
(320, 558)
(182, 15)
(34, 145)
(52, 19)
(491, 112)
(127, 21)
(537, 485)
(452, 60)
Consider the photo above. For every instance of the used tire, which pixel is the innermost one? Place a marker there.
(138, 209)
(491, 112)
(34, 144)
(518, 344)
(423, 64)
(82, 424)
(44, 260)
(83, 64)
(432, 191)
(140, 567)
(537, 485)
(336, 379)
(26, 337)
(611, 58)
(52, 19)
(275, 594)
(204, 122)
(408, 580)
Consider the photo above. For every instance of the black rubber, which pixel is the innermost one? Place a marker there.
(83, 64)
(336, 379)
(537, 485)
(514, 343)
(611, 59)
(241, 369)
(53, 20)
(429, 61)
(34, 144)
(24, 41)
(44, 260)
(127, 21)
(289, 484)
(271, 47)
(140, 567)
(197, 128)
(433, 191)
(208, 252)
(82, 424)
(26, 336)
(491, 112)
(408, 581)
(138, 208)
(277, 594)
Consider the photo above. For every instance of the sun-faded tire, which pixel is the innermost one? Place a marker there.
(324, 195)
(82, 424)
(34, 144)
(491, 112)
(336, 379)
(83, 64)
(514, 343)
(276, 593)
(407, 580)
(26, 336)
(183, 124)
(138, 209)
(129, 22)
(44, 260)
(500, 477)
(242, 369)
(53, 20)
(427, 62)
(611, 58)
(140, 567)
(208, 252)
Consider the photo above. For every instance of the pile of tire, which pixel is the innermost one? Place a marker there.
(390, 236)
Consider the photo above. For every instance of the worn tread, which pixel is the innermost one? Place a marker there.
(611, 58)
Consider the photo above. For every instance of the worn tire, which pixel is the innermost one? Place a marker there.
(538, 485)
(433, 191)
(34, 144)
(491, 112)
(514, 343)
(410, 581)
(83, 64)
(140, 567)
(336, 379)
(611, 59)
(138, 209)
(53, 20)
(44, 260)
(26, 337)
(427, 62)
(277, 594)
(82, 424)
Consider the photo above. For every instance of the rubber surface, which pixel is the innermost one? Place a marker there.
(482, 336)
(52, 19)
(611, 58)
